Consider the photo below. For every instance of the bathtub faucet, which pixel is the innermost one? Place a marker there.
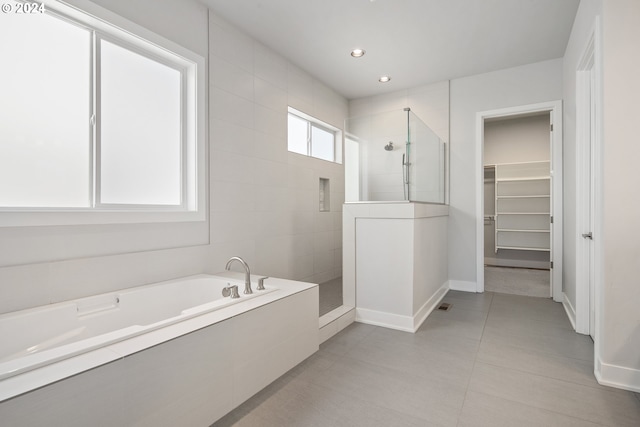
(247, 273)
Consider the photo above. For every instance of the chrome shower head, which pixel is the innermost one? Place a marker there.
(389, 146)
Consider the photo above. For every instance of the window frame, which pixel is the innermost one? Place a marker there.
(311, 123)
(106, 25)
(97, 136)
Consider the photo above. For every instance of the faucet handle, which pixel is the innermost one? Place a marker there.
(230, 291)
(261, 283)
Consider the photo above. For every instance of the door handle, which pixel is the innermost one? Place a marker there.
(588, 235)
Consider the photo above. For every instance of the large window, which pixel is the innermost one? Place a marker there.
(96, 119)
(311, 137)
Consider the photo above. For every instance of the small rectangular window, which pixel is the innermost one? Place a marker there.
(323, 143)
(311, 137)
(298, 135)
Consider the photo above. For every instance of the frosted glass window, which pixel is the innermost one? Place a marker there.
(311, 137)
(140, 129)
(322, 144)
(298, 134)
(97, 121)
(45, 133)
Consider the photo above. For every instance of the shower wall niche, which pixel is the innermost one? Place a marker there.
(393, 156)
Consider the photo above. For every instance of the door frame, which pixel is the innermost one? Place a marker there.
(589, 137)
(555, 110)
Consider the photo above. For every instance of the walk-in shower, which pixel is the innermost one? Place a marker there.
(393, 156)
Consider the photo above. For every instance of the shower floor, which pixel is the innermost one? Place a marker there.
(330, 295)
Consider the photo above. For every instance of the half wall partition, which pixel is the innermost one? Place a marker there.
(395, 256)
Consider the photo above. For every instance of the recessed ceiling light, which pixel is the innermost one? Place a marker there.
(357, 53)
(384, 79)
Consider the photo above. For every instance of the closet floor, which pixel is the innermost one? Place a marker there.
(517, 281)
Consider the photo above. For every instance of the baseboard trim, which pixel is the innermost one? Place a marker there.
(399, 322)
(431, 304)
(386, 320)
(617, 376)
(571, 312)
(335, 321)
(460, 285)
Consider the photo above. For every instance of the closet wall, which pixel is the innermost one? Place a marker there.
(516, 141)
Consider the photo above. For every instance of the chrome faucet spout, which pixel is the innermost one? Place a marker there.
(247, 272)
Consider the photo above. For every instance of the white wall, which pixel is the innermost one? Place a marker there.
(620, 317)
(264, 204)
(395, 268)
(582, 28)
(517, 140)
(430, 103)
(528, 84)
(264, 201)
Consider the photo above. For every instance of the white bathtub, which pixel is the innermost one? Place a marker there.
(43, 335)
(42, 347)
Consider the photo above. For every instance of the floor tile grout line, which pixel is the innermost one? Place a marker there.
(595, 387)
(548, 353)
(541, 351)
(352, 395)
(539, 408)
(482, 337)
(475, 360)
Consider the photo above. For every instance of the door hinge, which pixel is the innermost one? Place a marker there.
(551, 264)
(551, 219)
(551, 127)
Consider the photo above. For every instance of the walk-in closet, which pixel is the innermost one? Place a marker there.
(517, 205)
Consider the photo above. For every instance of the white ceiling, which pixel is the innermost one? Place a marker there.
(416, 42)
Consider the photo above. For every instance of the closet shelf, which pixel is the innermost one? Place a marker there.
(522, 206)
(525, 213)
(533, 196)
(514, 230)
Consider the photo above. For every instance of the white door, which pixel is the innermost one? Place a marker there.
(586, 113)
(590, 220)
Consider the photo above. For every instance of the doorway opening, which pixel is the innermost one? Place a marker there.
(525, 207)
(517, 204)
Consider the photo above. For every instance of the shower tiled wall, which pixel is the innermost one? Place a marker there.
(380, 119)
(264, 200)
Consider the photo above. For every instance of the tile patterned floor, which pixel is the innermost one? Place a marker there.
(518, 281)
(491, 360)
(330, 295)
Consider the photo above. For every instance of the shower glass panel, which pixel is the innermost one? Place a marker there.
(394, 156)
